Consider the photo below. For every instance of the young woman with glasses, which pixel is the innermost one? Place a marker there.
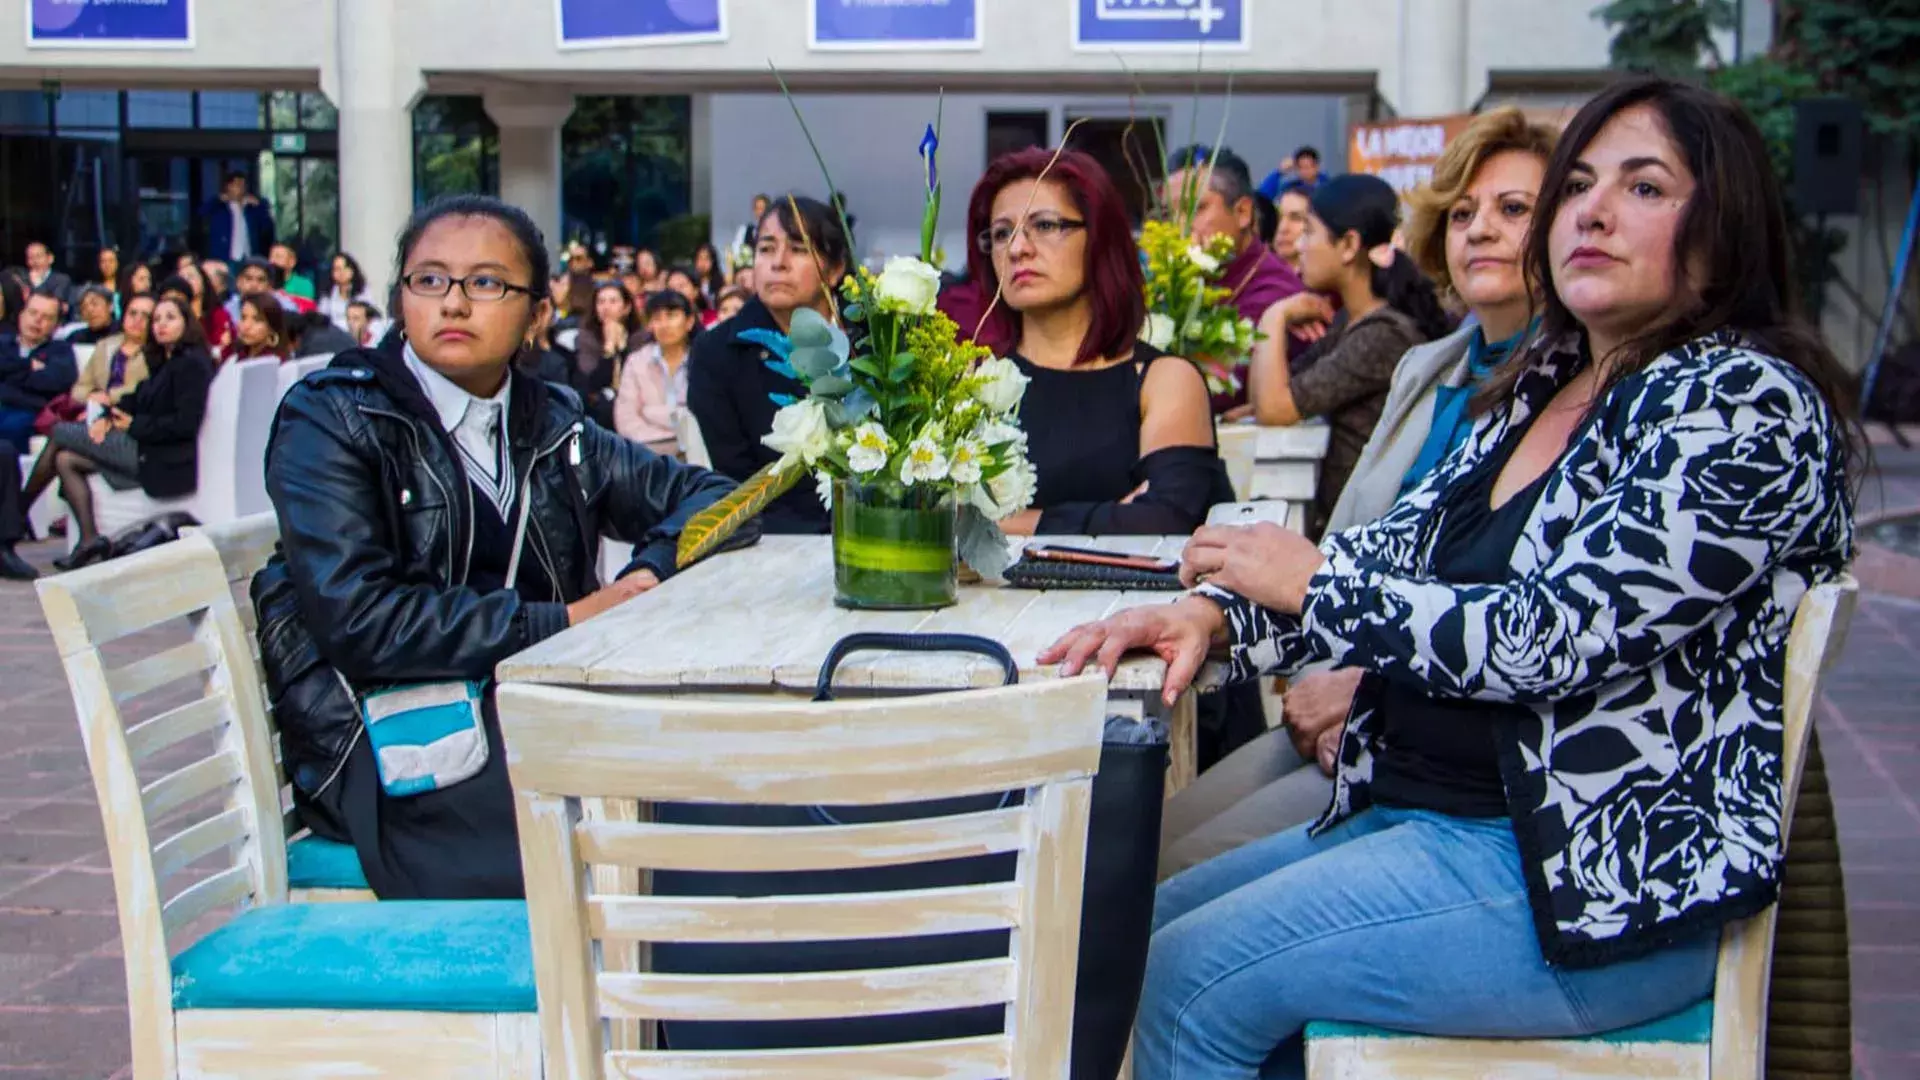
(439, 511)
(1120, 434)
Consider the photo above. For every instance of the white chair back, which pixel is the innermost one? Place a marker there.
(259, 393)
(692, 445)
(567, 339)
(1238, 442)
(299, 368)
(82, 355)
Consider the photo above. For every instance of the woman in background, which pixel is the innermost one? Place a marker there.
(653, 389)
(262, 331)
(345, 284)
(710, 272)
(601, 350)
(117, 366)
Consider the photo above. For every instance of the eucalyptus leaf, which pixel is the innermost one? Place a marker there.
(813, 361)
(859, 404)
(831, 385)
(982, 544)
(811, 329)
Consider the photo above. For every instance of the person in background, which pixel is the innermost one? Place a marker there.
(580, 284)
(1119, 434)
(262, 330)
(42, 275)
(743, 279)
(255, 277)
(186, 259)
(13, 519)
(1266, 219)
(313, 334)
(653, 388)
(219, 278)
(1216, 185)
(1387, 307)
(107, 266)
(731, 300)
(746, 235)
(683, 280)
(291, 280)
(1301, 170)
(239, 223)
(368, 589)
(215, 324)
(1468, 232)
(345, 284)
(601, 350)
(34, 368)
(1561, 782)
(646, 265)
(1292, 208)
(94, 306)
(728, 381)
(630, 280)
(362, 318)
(150, 440)
(13, 297)
(136, 279)
(710, 272)
(118, 365)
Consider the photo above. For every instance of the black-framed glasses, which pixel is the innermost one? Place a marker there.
(481, 288)
(1046, 230)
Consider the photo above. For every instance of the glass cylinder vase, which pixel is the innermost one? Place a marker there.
(893, 546)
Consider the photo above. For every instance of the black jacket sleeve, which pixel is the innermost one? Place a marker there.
(175, 404)
(711, 385)
(371, 624)
(1182, 483)
(650, 498)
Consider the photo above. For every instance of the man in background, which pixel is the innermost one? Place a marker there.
(287, 261)
(42, 275)
(34, 369)
(1301, 170)
(1293, 205)
(239, 223)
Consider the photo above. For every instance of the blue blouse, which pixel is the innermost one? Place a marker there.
(1452, 419)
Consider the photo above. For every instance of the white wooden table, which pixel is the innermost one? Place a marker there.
(761, 620)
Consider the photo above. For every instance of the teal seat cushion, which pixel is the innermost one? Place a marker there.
(1693, 1024)
(409, 955)
(314, 862)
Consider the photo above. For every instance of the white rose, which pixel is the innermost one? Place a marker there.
(801, 432)
(1002, 385)
(1199, 258)
(908, 286)
(999, 433)
(1158, 331)
(1009, 493)
(870, 448)
(924, 462)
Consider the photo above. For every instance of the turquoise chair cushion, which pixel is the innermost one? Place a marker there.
(1693, 1024)
(472, 956)
(314, 862)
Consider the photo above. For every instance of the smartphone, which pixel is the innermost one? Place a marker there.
(1059, 553)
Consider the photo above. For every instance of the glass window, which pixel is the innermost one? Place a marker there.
(160, 108)
(283, 110)
(317, 113)
(87, 109)
(23, 110)
(626, 175)
(456, 148)
(230, 109)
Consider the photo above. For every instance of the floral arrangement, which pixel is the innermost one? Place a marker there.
(896, 400)
(1189, 311)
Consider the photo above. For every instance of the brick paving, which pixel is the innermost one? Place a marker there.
(62, 989)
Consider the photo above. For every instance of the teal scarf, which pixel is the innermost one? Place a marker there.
(1452, 419)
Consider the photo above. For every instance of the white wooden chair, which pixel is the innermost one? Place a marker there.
(569, 747)
(1238, 443)
(232, 456)
(318, 870)
(1722, 1039)
(693, 446)
(292, 371)
(195, 829)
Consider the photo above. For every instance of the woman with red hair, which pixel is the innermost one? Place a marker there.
(1119, 433)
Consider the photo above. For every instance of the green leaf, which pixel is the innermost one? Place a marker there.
(810, 329)
(711, 527)
(830, 385)
(866, 364)
(813, 362)
(981, 543)
(902, 365)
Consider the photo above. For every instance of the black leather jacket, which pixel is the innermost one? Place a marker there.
(376, 536)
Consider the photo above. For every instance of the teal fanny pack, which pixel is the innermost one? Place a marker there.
(425, 737)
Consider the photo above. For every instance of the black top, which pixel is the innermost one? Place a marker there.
(1441, 753)
(1083, 437)
(167, 410)
(730, 391)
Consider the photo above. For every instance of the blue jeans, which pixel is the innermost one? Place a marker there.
(1406, 919)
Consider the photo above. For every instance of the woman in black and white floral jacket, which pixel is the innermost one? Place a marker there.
(1562, 772)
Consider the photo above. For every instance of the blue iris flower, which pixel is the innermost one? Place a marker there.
(929, 147)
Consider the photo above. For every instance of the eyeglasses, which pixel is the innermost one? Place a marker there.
(482, 288)
(1045, 231)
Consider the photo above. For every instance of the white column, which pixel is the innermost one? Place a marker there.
(1433, 58)
(529, 119)
(375, 91)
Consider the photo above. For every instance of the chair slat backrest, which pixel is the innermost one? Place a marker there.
(568, 749)
(1746, 947)
(181, 787)
(1238, 444)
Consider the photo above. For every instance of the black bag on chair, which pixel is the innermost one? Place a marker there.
(1123, 844)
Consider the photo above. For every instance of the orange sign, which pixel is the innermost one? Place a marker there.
(1403, 152)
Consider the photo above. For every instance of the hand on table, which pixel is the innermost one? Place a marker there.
(1178, 633)
(611, 596)
(1265, 563)
(1315, 709)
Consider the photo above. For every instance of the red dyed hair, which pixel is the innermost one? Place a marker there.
(1113, 279)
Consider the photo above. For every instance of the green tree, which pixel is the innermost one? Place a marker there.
(1862, 49)
(1664, 37)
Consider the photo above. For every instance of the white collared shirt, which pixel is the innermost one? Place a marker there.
(479, 429)
(241, 245)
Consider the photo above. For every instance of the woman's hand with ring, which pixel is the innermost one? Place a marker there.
(1265, 563)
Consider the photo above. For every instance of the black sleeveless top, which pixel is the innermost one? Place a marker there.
(1083, 437)
(1441, 753)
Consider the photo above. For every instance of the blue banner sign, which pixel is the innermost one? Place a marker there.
(1159, 24)
(110, 24)
(894, 24)
(606, 23)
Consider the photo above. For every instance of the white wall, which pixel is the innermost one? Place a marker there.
(870, 142)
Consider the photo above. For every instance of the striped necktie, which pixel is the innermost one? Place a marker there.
(483, 447)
